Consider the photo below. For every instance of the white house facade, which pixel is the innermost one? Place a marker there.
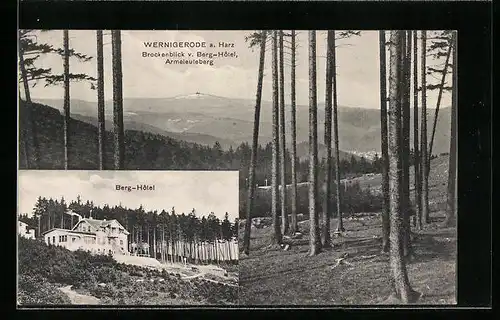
(24, 231)
(95, 236)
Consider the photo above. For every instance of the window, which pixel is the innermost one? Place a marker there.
(74, 239)
(93, 240)
(54, 239)
(98, 250)
(48, 238)
(121, 242)
(109, 241)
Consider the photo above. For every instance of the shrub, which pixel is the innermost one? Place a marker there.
(36, 290)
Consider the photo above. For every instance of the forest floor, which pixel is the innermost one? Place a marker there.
(354, 271)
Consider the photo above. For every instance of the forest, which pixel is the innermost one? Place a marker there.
(398, 238)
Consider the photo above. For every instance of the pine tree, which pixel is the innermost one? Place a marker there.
(118, 100)
(384, 145)
(314, 235)
(255, 142)
(328, 139)
(282, 142)
(423, 131)
(417, 179)
(452, 167)
(277, 238)
(340, 223)
(293, 224)
(100, 98)
(401, 284)
(66, 98)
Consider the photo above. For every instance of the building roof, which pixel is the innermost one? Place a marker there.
(97, 224)
(68, 231)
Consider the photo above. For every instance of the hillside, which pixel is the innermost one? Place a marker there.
(142, 150)
(51, 274)
(202, 139)
(231, 120)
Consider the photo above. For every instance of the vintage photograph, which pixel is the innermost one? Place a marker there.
(345, 143)
(161, 238)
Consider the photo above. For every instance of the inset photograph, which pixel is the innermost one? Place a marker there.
(127, 237)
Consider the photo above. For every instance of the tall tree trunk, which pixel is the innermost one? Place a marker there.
(328, 140)
(294, 222)
(255, 146)
(162, 247)
(24, 76)
(100, 98)
(384, 144)
(284, 214)
(314, 234)
(452, 167)
(66, 98)
(340, 223)
(405, 131)
(30, 124)
(438, 104)
(416, 151)
(401, 283)
(154, 242)
(275, 145)
(39, 228)
(31, 132)
(119, 145)
(423, 131)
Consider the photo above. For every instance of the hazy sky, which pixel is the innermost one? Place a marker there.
(357, 67)
(206, 191)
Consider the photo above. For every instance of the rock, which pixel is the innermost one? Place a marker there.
(101, 284)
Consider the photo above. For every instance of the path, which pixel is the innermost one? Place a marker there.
(207, 279)
(77, 298)
(192, 277)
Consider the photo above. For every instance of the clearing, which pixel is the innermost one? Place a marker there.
(354, 271)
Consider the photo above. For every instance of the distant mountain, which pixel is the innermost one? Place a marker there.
(143, 150)
(203, 139)
(230, 121)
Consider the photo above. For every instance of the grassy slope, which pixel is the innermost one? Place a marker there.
(273, 276)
